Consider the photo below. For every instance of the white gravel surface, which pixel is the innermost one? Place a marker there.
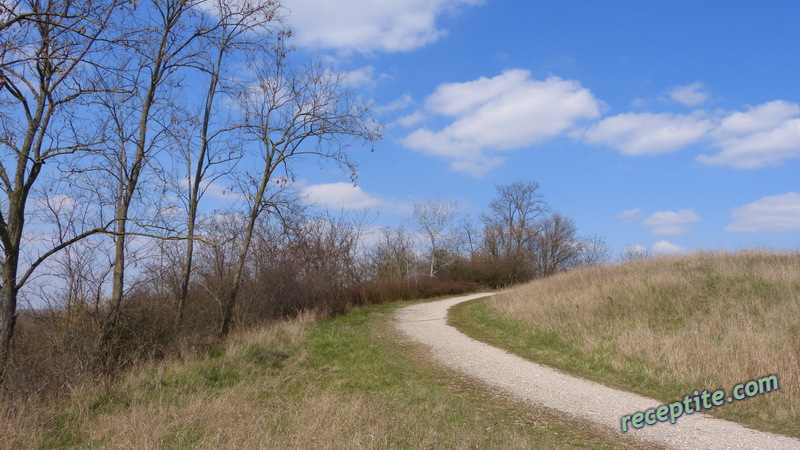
(542, 385)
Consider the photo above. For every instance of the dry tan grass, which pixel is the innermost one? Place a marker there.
(702, 321)
(349, 382)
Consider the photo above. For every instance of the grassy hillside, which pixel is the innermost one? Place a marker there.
(663, 327)
(347, 382)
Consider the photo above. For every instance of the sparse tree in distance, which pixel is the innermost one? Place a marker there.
(635, 252)
(433, 218)
(512, 217)
(556, 246)
(393, 255)
(593, 251)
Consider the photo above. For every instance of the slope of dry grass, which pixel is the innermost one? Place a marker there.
(347, 382)
(664, 327)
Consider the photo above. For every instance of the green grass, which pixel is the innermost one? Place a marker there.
(479, 321)
(348, 382)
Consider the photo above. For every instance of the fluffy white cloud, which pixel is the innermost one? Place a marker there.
(759, 136)
(648, 133)
(756, 119)
(630, 215)
(368, 25)
(768, 134)
(774, 214)
(412, 119)
(690, 95)
(667, 248)
(671, 222)
(508, 111)
(214, 190)
(346, 196)
(340, 196)
(401, 103)
(363, 77)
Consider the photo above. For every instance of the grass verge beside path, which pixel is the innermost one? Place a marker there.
(347, 382)
(662, 328)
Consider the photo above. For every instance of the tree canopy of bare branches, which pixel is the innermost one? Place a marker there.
(51, 62)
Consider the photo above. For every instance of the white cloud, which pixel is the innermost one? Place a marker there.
(401, 103)
(667, 248)
(340, 196)
(411, 119)
(691, 95)
(671, 222)
(214, 190)
(221, 192)
(363, 77)
(647, 133)
(508, 111)
(347, 197)
(368, 25)
(630, 215)
(57, 204)
(774, 214)
(768, 134)
(757, 119)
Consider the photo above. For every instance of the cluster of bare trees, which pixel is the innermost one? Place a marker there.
(116, 120)
(148, 154)
(520, 240)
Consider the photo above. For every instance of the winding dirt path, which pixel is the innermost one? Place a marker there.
(542, 385)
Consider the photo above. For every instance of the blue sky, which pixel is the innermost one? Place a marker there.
(670, 125)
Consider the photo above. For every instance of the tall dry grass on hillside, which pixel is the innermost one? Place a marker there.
(700, 321)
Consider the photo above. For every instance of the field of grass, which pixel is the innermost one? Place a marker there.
(663, 327)
(347, 382)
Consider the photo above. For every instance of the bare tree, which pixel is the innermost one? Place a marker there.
(556, 246)
(393, 256)
(635, 252)
(513, 214)
(467, 237)
(293, 113)
(593, 251)
(49, 65)
(239, 27)
(433, 218)
(163, 39)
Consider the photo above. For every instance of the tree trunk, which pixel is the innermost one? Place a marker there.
(117, 276)
(194, 194)
(8, 311)
(230, 303)
(186, 275)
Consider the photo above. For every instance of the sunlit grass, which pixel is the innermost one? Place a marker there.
(664, 327)
(348, 382)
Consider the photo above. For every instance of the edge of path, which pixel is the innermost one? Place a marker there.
(426, 323)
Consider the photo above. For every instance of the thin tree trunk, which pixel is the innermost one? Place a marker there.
(118, 274)
(8, 312)
(194, 194)
(230, 303)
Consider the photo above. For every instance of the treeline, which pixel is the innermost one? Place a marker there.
(148, 157)
(118, 121)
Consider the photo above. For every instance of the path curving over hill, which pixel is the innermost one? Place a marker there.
(537, 384)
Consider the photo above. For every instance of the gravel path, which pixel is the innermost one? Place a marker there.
(541, 385)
